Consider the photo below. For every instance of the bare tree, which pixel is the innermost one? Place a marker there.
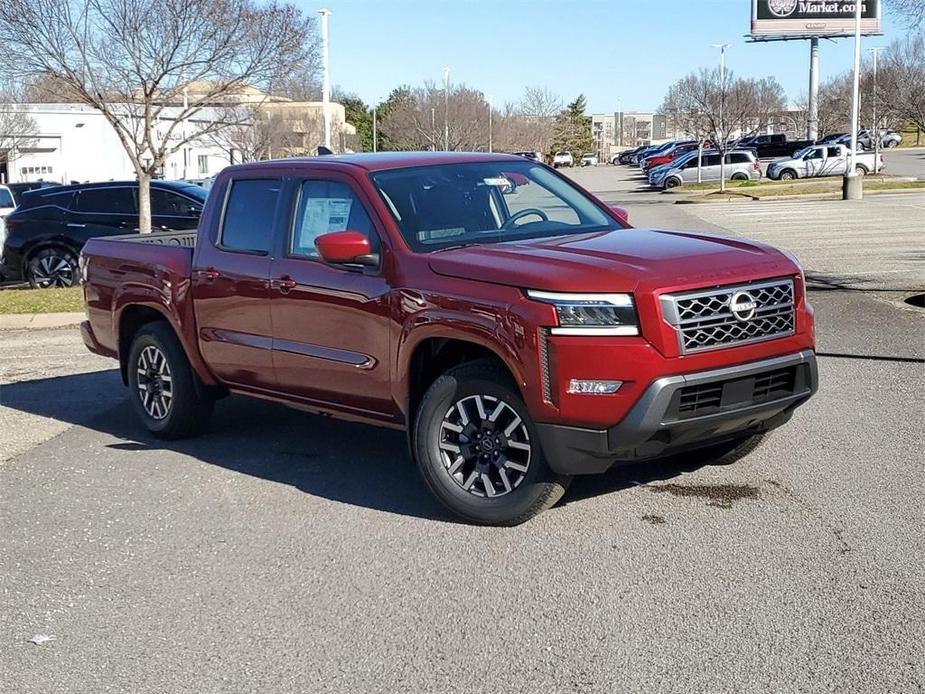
(257, 134)
(908, 11)
(901, 80)
(132, 59)
(413, 119)
(539, 108)
(17, 128)
(723, 110)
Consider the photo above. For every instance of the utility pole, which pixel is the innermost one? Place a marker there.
(722, 107)
(325, 78)
(446, 109)
(812, 118)
(375, 133)
(489, 126)
(876, 126)
(852, 185)
(433, 129)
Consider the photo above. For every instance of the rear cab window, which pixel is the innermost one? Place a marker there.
(249, 215)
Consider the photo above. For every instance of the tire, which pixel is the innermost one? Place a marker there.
(787, 175)
(519, 482)
(672, 182)
(739, 177)
(52, 267)
(725, 453)
(186, 409)
(891, 144)
(861, 170)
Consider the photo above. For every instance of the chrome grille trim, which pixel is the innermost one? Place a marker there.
(544, 365)
(704, 321)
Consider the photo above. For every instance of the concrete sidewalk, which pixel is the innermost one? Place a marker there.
(33, 321)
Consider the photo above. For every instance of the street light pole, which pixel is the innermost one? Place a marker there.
(446, 109)
(325, 78)
(722, 108)
(375, 132)
(876, 129)
(490, 144)
(852, 186)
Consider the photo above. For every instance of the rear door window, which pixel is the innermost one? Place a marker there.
(107, 201)
(169, 204)
(250, 209)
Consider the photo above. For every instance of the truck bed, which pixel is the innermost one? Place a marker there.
(149, 270)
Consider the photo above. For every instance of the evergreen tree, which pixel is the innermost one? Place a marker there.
(572, 130)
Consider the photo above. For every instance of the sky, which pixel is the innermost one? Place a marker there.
(631, 50)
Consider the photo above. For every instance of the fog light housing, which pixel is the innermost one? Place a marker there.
(591, 387)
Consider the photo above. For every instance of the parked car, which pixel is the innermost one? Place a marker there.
(532, 156)
(45, 233)
(7, 205)
(624, 157)
(821, 160)
(518, 341)
(562, 159)
(741, 165)
(888, 139)
(589, 160)
(668, 155)
(19, 188)
(833, 138)
(776, 145)
(653, 152)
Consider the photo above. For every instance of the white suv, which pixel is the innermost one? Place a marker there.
(7, 205)
(562, 159)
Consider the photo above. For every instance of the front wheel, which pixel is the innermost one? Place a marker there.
(162, 385)
(478, 450)
(787, 176)
(52, 267)
(672, 183)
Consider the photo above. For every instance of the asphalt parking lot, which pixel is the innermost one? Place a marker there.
(286, 552)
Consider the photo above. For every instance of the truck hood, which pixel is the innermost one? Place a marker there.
(626, 260)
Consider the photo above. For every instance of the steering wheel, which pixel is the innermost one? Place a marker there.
(509, 222)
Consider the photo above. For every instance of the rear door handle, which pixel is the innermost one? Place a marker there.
(208, 274)
(284, 284)
(75, 225)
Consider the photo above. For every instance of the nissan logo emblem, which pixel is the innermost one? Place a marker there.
(742, 306)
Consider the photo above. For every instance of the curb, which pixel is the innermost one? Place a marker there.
(835, 194)
(37, 321)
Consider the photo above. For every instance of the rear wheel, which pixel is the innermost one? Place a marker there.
(739, 176)
(162, 385)
(861, 170)
(52, 267)
(478, 449)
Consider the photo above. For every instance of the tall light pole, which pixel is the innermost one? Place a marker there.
(325, 78)
(433, 129)
(722, 108)
(876, 126)
(446, 109)
(489, 126)
(375, 130)
(852, 187)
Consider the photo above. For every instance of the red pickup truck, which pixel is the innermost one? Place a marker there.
(520, 333)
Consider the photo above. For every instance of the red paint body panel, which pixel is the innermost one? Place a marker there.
(342, 340)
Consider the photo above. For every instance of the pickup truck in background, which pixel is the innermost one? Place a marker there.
(776, 145)
(821, 160)
(521, 335)
(562, 159)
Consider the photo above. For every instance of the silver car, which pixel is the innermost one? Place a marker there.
(741, 165)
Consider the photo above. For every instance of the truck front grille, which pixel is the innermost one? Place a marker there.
(730, 316)
(735, 393)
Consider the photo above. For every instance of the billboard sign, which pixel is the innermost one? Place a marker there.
(805, 18)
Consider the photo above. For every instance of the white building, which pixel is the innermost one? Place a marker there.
(75, 143)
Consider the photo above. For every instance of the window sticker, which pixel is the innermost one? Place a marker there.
(321, 216)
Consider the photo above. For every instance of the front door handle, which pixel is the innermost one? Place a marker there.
(209, 274)
(75, 225)
(284, 284)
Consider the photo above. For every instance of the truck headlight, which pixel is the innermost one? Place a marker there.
(591, 314)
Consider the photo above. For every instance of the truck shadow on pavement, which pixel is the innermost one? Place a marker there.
(340, 461)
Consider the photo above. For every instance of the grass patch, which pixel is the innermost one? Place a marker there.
(813, 186)
(69, 300)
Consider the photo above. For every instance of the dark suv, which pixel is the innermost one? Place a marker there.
(45, 233)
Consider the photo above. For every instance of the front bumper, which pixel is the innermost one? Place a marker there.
(678, 413)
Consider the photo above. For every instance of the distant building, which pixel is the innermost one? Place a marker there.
(615, 132)
(74, 142)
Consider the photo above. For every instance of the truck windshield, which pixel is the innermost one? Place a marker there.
(450, 205)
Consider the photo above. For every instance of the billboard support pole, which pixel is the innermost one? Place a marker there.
(812, 121)
(852, 186)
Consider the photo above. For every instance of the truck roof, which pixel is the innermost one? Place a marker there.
(381, 161)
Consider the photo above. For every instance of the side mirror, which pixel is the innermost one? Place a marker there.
(349, 247)
(621, 214)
